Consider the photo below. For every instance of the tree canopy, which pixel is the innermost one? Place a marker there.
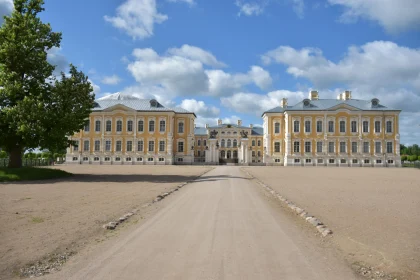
(37, 109)
(413, 150)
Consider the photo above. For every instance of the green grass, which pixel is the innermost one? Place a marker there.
(30, 174)
(37, 220)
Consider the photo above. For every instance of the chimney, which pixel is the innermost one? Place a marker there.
(283, 103)
(251, 125)
(207, 125)
(339, 96)
(239, 122)
(313, 95)
(346, 95)
(219, 122)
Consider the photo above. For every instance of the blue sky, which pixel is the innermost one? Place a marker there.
(234, 59)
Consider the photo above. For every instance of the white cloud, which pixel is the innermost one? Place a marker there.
(393, 15)
(111, 80)
(410, 128)
(56, 58)
(137, 18)
(6, 7)
(196, 53)
(378, 64)
(183, 73)
(189, 2)
(96, 88)
(299, 7)
(200, 108)
(250, 8)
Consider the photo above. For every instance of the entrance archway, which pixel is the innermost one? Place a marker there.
(229, 154)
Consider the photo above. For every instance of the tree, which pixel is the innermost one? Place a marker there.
(37, 109)
(403, 149)
(3, 154)
(403, 158)
(412, 158)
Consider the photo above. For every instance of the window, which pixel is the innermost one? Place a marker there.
(129, 146)
(180, 146)
(198, 153)
(198, 142)
(204, 142)
(277, 127)
(253, 143)
(354, 161)
(150, 159)
(204, 153)
(161, 159)
(365, 126)
(389, 148)
(151, 126)
(117, 159)
(342, 126)
(330, 126)
(307, 147)
(97, 145)
(377, 126)
(180, 127)
(140, 126)
(223, 142)
(229, 143)
(76, 146)
(118, 146)
(307, 126)
(139, 159)
(331, 147)
(86, 145)
(108, 145)
(391, 161)
(354, 147)
(128, 159)
(318, 126)
(308, 160)
(342, 147)
(366, 147)
(119, 126)
(259, 153)
(140, 146)
(85, 159)
(259, 143)
(96, 159)
(320, 160)
(277, 160)
(107, 159)
(97, 125)
(379, 161)
(331, 160)
(180, 159)
(277, 147)
(87, 126)
(296, 147)
(130, 126)
(343, 161)
(161, 146)
(366, 161)
(253, 153)
(353, 126)
(108, 126)
(296, 126)
(319, 147)
(75, 158)
(388, 126)
(162, 126)
(297, 160)
(235, 143)
(377, 147)
(151, 146)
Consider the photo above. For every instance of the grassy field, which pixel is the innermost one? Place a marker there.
(30, 174)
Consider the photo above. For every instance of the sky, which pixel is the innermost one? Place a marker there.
(235, 59)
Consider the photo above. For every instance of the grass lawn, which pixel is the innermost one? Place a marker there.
(30, 173)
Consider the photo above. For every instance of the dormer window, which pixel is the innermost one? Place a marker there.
(306, 102)
(375, 102)
(153, 103)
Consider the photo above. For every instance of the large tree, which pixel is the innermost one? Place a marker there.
(37, 109)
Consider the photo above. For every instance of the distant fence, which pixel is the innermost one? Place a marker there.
(411, 164)
(29, 162)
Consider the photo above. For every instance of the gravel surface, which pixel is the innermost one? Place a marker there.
(44, 219)
(373, 212)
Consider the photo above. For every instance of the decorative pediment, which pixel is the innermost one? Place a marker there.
(343, 107)
(119, 107)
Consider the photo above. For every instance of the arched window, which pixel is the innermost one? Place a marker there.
(277, 127)
(119, 125)
(259, 143)
(97, 125)
(181, 127)
(229, 143)
(198, 142)
(222, 154)
(130, 125)
(140, 126)
(253, 142)
(229, 154)
(223, 142)
(162, 126)
(235, 143)
(235, 154)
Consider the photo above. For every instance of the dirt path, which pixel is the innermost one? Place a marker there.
(220, 227)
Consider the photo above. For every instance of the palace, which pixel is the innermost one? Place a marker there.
(313, 132)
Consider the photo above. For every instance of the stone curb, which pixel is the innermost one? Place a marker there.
(114, 224)
(320, 226)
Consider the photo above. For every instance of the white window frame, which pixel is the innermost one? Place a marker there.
(138, 126)
(154, 125)
(178, 146)
(345, 125)
(333, 126)
(138, 145)
(296, 151)
(99, 146)
(368, 147)
(277, 143)
(116, 145)
(310, 146)
(108, 141)
(329, 146)
(341, 146)
(132, 125)
(386, 125)
(126, 145)
(164, 144)
(84, 146)
(100, 123)
(352, 146)
(275, 125)
(319, 144)
(310, 126)
(322, 126)
(179, 126)
(294, 126)
(108, 121)
(376, 147)
(351, 126)
(387, 147)
(117, 121)
(363, 126)
(160, 125)
(380, 126)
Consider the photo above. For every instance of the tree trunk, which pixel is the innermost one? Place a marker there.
(15, 158)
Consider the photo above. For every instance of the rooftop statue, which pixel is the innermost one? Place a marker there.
(213, 134)
(244, 134)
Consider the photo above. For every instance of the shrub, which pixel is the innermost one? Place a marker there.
(403, 158)
(3, 154)
(412, 158)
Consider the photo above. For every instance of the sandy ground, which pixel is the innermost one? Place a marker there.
(38, 218)
(220, 227)
(374, 212)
